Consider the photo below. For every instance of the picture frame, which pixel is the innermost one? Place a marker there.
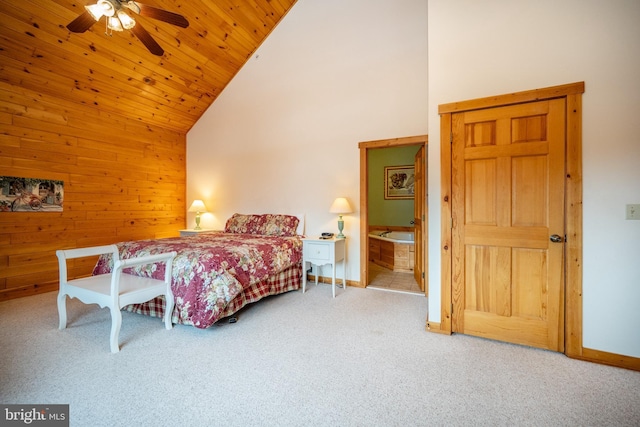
(21, 194)
(399, 182)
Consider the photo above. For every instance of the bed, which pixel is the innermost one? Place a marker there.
(216, 274)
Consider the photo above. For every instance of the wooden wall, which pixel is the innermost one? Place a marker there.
(123, 180)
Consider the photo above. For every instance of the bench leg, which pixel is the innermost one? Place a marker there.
(168, 309)
(116, 322)
(62, 310)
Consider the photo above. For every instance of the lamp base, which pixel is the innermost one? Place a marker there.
(340, 228)
(198, 222)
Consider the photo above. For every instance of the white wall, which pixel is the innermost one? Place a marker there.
(283, 136)
(491, 47)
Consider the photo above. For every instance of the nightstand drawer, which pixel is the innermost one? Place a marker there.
(318, 251)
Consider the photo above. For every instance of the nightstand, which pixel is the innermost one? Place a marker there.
(192, 232)
(320, 252)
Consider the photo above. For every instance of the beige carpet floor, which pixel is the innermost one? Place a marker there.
(361, 359)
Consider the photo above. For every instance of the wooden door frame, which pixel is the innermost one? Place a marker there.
(573, 213)
(364, 195)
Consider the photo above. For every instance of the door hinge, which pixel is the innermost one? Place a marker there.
(450, 137)
(452, 308)
(423, 274)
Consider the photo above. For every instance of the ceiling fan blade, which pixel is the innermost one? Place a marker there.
(82, 23)
(147, 40)
(163, 15)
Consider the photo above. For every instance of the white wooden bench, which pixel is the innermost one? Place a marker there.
(116, 289)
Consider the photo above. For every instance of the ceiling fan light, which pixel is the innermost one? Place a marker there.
(113, 23)
(109, 8)
(95, 10)
(132, 6)
(126, 21)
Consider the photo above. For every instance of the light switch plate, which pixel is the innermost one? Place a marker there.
(633, 211)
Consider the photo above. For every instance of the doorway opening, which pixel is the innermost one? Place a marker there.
(385, 279)
(388, 262)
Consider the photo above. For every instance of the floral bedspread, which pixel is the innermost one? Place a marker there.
(211, 269)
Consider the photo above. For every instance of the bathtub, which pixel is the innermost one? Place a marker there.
(393, 236)
(393, 250)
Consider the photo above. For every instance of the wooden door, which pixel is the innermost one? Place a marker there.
(419, 218)
(507, 203)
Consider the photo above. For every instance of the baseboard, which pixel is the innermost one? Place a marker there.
(27, 291)
(588, 355)
(435, 327)
(606, 358)
(327, 280)
(355, 284)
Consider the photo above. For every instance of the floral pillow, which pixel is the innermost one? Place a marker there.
(267, 224)
(243, 224)
(280, 225)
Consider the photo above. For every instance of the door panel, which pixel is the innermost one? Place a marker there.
(530, 190)
(529, 266)
(507, 199)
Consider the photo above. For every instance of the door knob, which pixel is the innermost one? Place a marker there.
(555, 238)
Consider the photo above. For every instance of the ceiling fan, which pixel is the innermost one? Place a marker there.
(119, 20)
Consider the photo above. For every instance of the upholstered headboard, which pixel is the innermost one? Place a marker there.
(300, 229)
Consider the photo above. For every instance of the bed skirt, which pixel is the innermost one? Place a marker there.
(285, 281)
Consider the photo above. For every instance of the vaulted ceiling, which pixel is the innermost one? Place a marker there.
(116, 73)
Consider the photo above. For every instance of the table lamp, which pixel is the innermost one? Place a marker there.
(198, 207)
(340, 206)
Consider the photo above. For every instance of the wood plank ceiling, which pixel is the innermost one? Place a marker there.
(117, 74)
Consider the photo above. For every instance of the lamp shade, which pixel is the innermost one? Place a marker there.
(113, 23)
(127, 21)
(197, 206)
(102, 7)
(340, 206)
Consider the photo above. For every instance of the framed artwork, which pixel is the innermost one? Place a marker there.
(19, 194)
(399, 182)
